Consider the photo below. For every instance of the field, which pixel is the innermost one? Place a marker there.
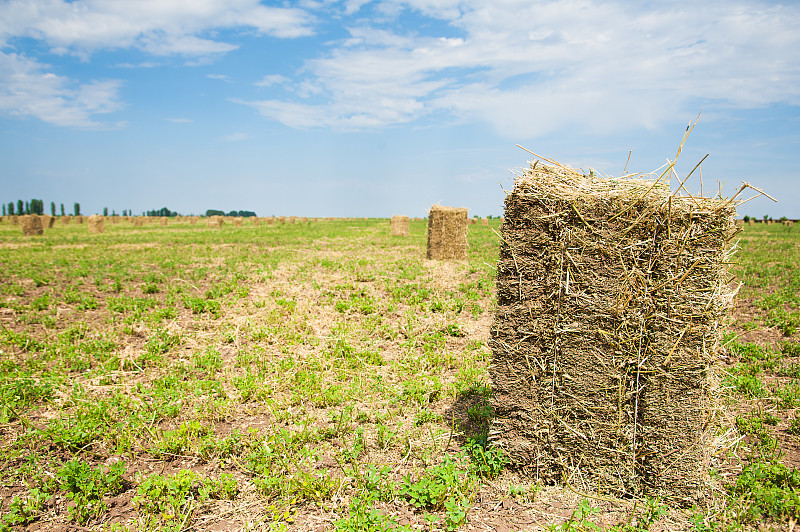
(325, 376)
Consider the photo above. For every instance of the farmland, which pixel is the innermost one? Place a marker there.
(321, 376)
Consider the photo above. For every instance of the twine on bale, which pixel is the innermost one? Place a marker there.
(611, 294)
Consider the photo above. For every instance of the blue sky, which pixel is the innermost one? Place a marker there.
(375, 108)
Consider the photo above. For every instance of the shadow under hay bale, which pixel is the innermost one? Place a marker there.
(399, 226)
(32, 225)
(610, 297)
(447, 233)
(97, 224)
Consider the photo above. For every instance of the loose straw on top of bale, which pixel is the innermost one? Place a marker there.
(611, 293)
(447, 233)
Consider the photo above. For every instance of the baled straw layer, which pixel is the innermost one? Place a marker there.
(610, 298)
(400, 225)
(32, 225)
(447, 233)
(97, 224)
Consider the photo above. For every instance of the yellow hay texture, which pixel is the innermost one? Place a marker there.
(14, 219)
(65, 220)
(138, 221)
(163, 220)
(484, 222)
(96, 224)
(610, 294)
(79, 219)
(32, 225)
(399, 225)
(237, 222)
(215, 222)
(447, 233)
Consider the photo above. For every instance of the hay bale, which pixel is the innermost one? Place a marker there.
(79, 219)
(281, 220)
(256, 221)
(163, 220)
(47, 220)
(447, 233)
(237, 222)
(32, 225)
(399, 225)
(65, 220)
(96, 224)
(193, 220)
(610, 294)
(485, 222)
(215, 222)
(14, 219)
(138, 221)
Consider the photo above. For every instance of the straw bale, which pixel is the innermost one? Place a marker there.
(304, 219)
(163, 220)
(193, 220)
(79, 219)
(256, 221)
(96, 224)
(281, 219)
(611, 293)
(237, 222)
(47, 220)
(65, 220)
(138, 221)
(14, 219)
(447, 233)
(32, 224)
(484, 222)
(473, 221)
(215, 222)
(399, 225)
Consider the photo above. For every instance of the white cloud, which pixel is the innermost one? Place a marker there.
(271, 79)
(27, 88)
(220, 77)
(160, 27)
(236, 137)
(179, 120)
(528, 68)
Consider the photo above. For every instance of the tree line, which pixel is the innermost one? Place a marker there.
(36, 206)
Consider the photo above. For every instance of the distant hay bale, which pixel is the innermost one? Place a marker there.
(292, 219)
(138, 221)
(281, 220)
(193, 220)
(65, 220)
(163, 220)
(14, 219)
(215, 222)
(47, 220)
(447, 233)
(473, 221)
(751, 222)
(96, 224)
(399, 225)
(79, 219)
(271, 220)
(256, 221)
(304, 219)
(484, 222)
(32, 225)
(610, 299)
(237, 222)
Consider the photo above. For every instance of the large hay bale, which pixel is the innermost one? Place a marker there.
(96, 224)
(32, 225)
(400, 226)
(447, 233)
(610, 294)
